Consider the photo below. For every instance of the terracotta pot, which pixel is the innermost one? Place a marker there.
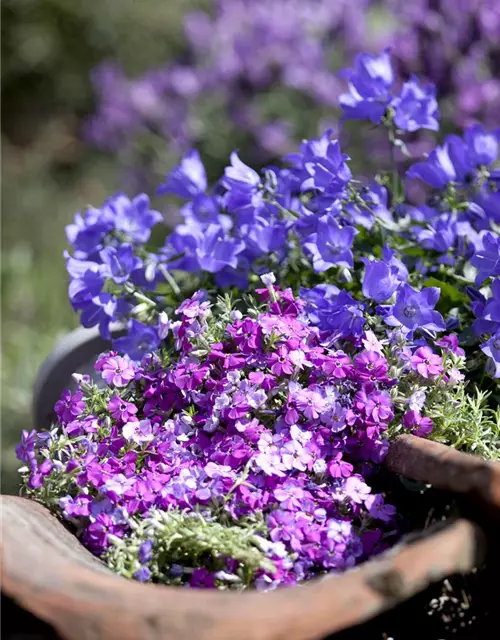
(49, 574)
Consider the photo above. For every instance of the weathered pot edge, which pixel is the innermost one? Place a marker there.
(94, 603)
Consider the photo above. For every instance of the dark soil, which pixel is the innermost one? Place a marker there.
(461, 607)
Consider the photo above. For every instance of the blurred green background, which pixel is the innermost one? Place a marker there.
(48, 50)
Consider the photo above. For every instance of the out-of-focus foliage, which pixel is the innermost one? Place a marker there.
(48, 50)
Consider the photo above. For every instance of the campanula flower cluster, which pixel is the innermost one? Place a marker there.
(371, 96)
(249, 420)
(421, 267)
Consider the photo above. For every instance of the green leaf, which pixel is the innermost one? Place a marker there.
(450, 296)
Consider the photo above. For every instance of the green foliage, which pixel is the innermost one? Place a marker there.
(464, 420)
(188, 539)
(450, 296)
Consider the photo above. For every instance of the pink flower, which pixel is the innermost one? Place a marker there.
(426, 362)
(69, 406)
(378, 509)
(371, 343)
(370, 365)
(189, 375)
(246, 334)
(454, 376)
(376, 405)
(294, 456)
(117, 371)
(310, 403)
(356, 489)
(229, 360)
(264, 380)
(163, 325)
(289, 495)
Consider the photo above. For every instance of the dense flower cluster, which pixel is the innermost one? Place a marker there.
(300, 48)
(243, 420)
(232, 442)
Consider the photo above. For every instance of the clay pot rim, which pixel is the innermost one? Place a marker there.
(49, 573)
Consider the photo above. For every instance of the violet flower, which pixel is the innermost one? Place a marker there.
(415, 309)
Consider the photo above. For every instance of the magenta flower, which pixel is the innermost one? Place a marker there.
(265, 380)
(256, 397)
(163, 325)
(246, 334)
(294, 456)
(371, 366)
(121, 410)
(280, 363)
(202, 579)
(283, 527)
(376, 405)
(140, 496)
(276, 418)
(417, 424)
(290, 496)
(117, 371)
(372, 343)
(417, 400)
(291, 414)
(450, 343)
(69, 406)
(238, 407)
(310, 403)
(378, 509)
(339, 468)
(96, 533)
(426, 362)
(336, 419)
(119, 484)
(189, 375)
(269, 459)
(337, 365)
(229, 360)
(25, 450)
(75, 507)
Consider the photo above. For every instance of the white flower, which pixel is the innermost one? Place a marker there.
(319, 466)
(221, 402)
(417, 400)
(163, 325)
(371, 342)
(236, 315)
(268, 279)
